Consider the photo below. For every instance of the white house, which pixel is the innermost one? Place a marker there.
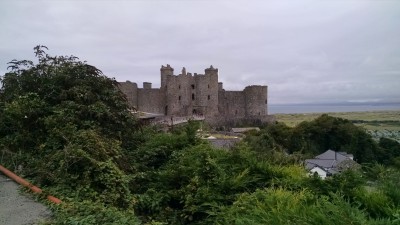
(320, 172)
(329, 163)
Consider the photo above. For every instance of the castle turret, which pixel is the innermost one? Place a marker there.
(184, 95)
(165, 71)
(211, 71)
(146, 85)
(210, 91)
(256, 100)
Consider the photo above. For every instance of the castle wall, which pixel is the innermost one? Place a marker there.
(210, 95)
(186, 94)
(150, 100)
(178, 95)
(233, 104)
(206, 94)
(165, 71)
(256, 99)
(130, 91)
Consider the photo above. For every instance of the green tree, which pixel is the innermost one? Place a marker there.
(390, 152)
(327, 132)
(68, 125)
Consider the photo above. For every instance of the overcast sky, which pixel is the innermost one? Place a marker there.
(304, 50)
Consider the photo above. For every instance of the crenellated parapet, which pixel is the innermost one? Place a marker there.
(198, 94)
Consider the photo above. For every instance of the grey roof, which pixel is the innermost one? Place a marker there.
(330, 154)
(244, 129)
(328, 161)
(323, 163)
(311, 166)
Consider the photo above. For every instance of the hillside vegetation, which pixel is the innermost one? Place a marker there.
(379, 124)
(66, 127)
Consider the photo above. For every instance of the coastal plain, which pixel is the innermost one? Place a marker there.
(377, 123)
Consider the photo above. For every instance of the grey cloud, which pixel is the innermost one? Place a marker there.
(305, 51)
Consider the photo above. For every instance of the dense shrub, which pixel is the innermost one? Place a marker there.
(68, 128)
(279, 206)
(93, 213)
(198, 179)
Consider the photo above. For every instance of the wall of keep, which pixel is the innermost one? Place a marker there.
(206, 94)
(188, 94)
(178, 95)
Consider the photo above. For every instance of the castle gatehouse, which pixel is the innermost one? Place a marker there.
(189, 94)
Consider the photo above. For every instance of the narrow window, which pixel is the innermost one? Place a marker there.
(236, 112)
(179, 97)
(179, 87)
(192, 96)
(208, 97)
(208, 86)
(192, 86)
(266, 101)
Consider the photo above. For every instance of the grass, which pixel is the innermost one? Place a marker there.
(377, 123)
(374, 120)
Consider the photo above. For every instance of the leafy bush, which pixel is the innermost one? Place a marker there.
(93, 213)
(279, 206)
(69, 128)
(375, 203)
(199, 179)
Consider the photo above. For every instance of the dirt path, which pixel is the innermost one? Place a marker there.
(17, 208)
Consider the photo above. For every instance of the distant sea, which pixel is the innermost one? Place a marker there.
(321, 108)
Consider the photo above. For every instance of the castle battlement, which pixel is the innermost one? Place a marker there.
(198, 94)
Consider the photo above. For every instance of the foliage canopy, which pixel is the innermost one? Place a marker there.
(66, 126)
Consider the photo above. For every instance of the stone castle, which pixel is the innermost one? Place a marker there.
(199, 94)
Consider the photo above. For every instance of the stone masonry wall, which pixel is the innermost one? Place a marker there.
(186, 94)
(150, 100)
(255, 98)
(233, 104)
(130, 89)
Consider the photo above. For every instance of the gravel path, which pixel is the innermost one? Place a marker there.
(17, 208)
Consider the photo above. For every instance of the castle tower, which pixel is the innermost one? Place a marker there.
(199, 94)
(211, 71)
(165, 71)
(211, 90)
(256, 100)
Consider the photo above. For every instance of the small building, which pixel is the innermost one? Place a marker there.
(241, 130)
(146, 118)
(330, 163)
(321, 172)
